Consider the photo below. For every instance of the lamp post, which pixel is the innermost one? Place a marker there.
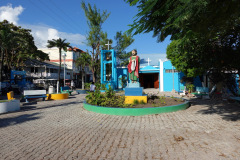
(64, 58)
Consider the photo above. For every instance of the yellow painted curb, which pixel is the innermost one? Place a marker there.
(130, 99)
(57, 96)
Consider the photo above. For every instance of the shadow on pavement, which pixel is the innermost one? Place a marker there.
(228, 110)
(34, 105)
(4, 122)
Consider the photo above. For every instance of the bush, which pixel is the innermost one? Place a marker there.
(190, 87)
(107, 99)
(87, 86)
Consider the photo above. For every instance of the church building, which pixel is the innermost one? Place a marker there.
(155, 72)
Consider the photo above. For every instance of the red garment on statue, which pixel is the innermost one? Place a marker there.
(136, 69)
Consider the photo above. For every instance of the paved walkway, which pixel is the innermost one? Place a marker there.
(64, 130)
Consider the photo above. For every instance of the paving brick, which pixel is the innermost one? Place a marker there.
(64, 130)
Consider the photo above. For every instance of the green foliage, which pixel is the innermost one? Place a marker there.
(83, 60)
(162, 100)
(17, 45)
(103, 87)
(142, 102)
(107, 99)
(123, 81)
(61, 45)
(135, 102)
(205, 33)
(87, 86)
(123, 41)
(96, 37)
(190, 87)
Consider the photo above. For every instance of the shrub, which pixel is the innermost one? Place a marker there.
(107, 99)
(87, 86)
(135, 102)
(190, 87)
(142, 102)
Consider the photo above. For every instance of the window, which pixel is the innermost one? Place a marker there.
(32, 69)
(170, 71)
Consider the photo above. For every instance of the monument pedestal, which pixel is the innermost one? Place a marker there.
(134, 92)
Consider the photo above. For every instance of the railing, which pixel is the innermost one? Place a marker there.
(48, 75)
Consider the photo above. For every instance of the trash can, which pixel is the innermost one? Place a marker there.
(51, 90)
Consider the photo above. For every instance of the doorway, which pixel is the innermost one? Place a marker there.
(149, 80)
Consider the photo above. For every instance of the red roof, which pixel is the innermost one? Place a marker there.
(75, 49)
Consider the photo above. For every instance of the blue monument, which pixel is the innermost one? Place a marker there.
(109, 68)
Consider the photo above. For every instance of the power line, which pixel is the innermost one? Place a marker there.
(58, 15)
(54, 4)
(49, 15)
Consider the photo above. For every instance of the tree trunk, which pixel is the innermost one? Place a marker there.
(60, 61)
(83, 74)
(93, 74)
(1, 66)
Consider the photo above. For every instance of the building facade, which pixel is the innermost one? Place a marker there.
(72, 55)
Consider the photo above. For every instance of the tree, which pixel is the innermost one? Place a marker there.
(16, 46)
(83, 61)
(205, 33)
(123, 41)
(95, 36)
(60, 44)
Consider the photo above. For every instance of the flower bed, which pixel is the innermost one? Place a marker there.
(110, 103)
(135, 111)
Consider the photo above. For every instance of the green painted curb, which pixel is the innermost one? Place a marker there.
(135, 111)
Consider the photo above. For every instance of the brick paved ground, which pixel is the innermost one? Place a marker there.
(64, 130)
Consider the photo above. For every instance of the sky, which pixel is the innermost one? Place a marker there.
(51, 19)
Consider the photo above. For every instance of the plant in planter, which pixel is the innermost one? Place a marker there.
(107, 99)
(190, 87)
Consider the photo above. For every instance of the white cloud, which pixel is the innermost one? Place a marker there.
(41, 33)
(52, 34)
(76, 39)
(11, 14)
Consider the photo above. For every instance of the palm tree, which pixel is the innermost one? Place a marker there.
(60, 44)
(82, 61)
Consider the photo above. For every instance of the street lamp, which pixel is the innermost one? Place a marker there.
(64, 58)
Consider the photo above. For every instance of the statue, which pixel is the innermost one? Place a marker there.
(133, 66)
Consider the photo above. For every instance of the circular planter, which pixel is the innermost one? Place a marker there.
(57, 96)
(135, 111)
(9, 105)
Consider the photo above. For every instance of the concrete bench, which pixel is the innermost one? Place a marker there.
(66, 90)
(30, 94)
(235, 98)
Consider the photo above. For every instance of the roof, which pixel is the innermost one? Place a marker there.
(37, 63)
(75, 49)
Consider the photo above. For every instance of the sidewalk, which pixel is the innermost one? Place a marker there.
(64, 130)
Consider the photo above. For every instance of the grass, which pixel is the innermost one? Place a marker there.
(1, 101)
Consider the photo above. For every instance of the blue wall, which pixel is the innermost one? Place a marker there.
(121, 72)
(168, 78)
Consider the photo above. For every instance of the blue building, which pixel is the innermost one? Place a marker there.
(155, 72)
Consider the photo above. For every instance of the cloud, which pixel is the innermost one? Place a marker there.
(76, 39)
(11, 14)
(41, 33)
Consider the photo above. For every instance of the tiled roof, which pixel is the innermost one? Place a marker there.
(75, 49)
